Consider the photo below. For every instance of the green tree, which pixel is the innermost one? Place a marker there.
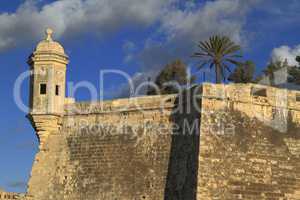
(298, 59)
(294, 73)
(218, 52)
(170, 77)
(243, 73)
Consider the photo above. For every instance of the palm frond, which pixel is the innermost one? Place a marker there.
(233, 61)
(199, 54)
(202, 65)
(219, 52)
(235, 56)
(227, 67)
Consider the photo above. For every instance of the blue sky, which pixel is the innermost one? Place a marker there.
(134, 36)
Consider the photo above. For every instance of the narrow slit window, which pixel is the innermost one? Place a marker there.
(43, 88)
(57, 90)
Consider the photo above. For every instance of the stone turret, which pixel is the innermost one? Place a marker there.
(48, 64)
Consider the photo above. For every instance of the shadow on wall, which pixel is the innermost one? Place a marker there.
(183, 166)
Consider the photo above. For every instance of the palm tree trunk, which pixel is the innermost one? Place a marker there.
(272, 79)
(218, 73)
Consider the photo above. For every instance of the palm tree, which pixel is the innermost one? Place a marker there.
(218, 52)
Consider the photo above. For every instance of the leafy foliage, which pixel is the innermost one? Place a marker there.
(243, 73)
(218, 52)
(294, 73)
(171, 77)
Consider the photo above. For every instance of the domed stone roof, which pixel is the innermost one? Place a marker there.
(49, 45)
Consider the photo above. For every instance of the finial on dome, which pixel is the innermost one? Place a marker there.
(49, 33)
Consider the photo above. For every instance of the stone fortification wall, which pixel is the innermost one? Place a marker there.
(250, 143)
(112, 150)
(248, 147)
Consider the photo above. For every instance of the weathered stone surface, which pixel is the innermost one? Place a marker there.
(231, 142)
(9, 195)
(244, 154)
(105, 156)
(238, 155)
(48, 65)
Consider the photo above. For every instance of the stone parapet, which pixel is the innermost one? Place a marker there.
(253, 94)
(121, 105)
(241, 93)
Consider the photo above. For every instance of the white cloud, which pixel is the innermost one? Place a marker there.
(286, 53)
(212, 18)
(129, 48)
(183, 28)
(76, 17)
(72, 17)
(180, 25)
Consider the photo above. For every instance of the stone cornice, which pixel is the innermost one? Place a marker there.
(45, 125)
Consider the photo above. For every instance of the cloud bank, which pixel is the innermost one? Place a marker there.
(177, 21)
(286, 53)
(75, 17)
(179, 25)
(182, 27)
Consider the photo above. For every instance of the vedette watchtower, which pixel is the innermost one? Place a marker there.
(48, 64)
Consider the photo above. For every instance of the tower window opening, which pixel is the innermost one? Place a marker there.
(57, 90)
(43, 88)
